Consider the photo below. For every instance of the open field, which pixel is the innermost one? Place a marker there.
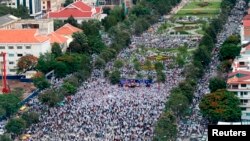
(208, 8)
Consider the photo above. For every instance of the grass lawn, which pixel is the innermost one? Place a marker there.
(195, 5)
(208, 8)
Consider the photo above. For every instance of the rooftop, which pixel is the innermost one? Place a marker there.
(7, 19)
(77, 9)
(67, 29)
(21, 36)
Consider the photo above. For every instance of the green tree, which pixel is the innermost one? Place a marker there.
(5, 137)
(221, 105)
(99, 63)
(115, 77)
(16, 126)
(166, 128)
(118, 64)
(51, 97)
(140, 10)
(233, 39)
(41, 82)
(46, 62)
(68, 89)
(139, 27)
(161, 77)
(71, 20)
(67, 2)
(159, 66)
(56, 50)
(22, 12)
(177, 103)
(58, 24)
(61, 69)
(216, 83)
(30, 118)
(202, 55)
(79, 43)
(229, 51)
(9, 103)
(137, 66)
(91, 27)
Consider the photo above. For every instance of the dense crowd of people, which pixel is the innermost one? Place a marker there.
(105, 112)
(196, 126)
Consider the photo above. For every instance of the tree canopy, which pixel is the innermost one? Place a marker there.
(27, 62)
(216, 83)
(221, 105)
(16, 126)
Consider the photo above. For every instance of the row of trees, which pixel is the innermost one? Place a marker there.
(221, 105)
(181, 96)
(20, 11)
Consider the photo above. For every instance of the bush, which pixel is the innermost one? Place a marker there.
(115, 77)
(30, 118)
(118, 64)
(15, 126)
(41, 82)
(68, 89)
(99, 63)
(51, 97)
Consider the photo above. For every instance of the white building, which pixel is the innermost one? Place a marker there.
(239, 83)
(19, 42)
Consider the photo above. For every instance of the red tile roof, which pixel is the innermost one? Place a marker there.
(21, 36)
(57, 38)
(67, 29)
(77, 9)
(246, 23)
(235, 78)
(247, 17)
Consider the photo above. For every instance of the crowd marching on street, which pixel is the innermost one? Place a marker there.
(100, 111)
(195, 126)
(105, 112)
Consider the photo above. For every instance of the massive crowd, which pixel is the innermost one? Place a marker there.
(105, 112)
(196, 126)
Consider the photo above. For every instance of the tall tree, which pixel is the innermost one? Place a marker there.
(56, 50)
(16, 126)
(79, 43)
(229, 51)
(71, 20)
(68, 2)
(216, 83)
(221, 105)
(27, 62)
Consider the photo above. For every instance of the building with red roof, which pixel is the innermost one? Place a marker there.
(67, 31)
(20, 42)
(79, 10)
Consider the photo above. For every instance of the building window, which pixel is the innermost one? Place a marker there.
(11, 63)
(247, 114)
(11, 55)
(19, 47)
(28, 47)
(243, 85)
(243, 109)
(243, 93)
(242, 63)
(10, 47)
(12, 70)
(43, 7)
(19, 55)
(2, 47)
